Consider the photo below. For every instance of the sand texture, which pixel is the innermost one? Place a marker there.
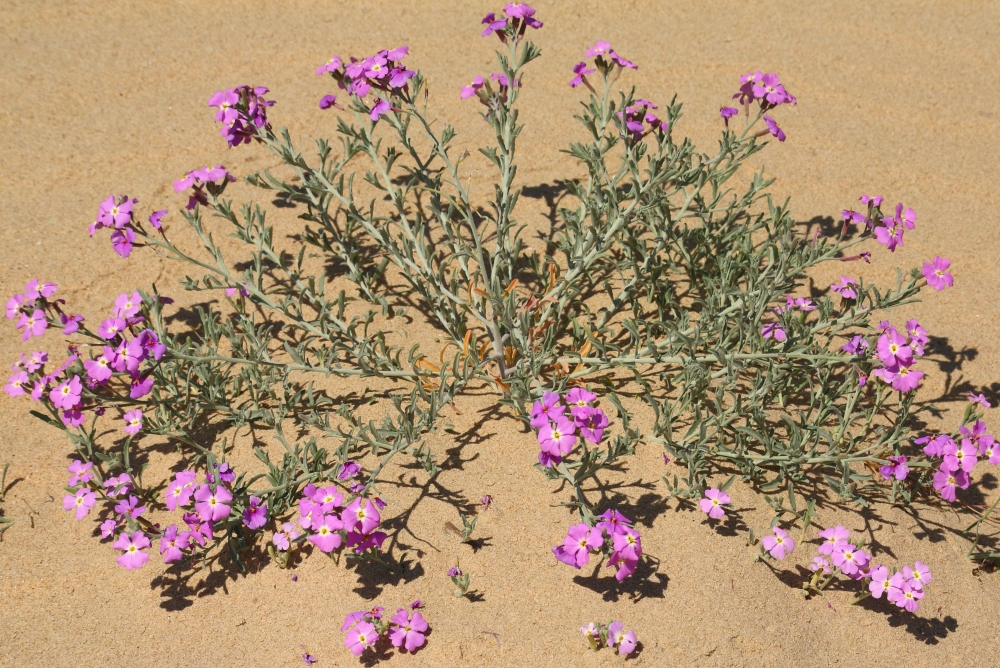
(894, 97)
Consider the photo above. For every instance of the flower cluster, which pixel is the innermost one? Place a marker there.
(768, 91)
(558, 433)
(610, 635)
(958, 459)
(407, 629)
(242, 112)
(214, 179)
(29, 308)
(520, 17)
(637, 113)
(837, 554)
(896, 352)
(117, 212)
(383, 72)
(606, 61)
(613, 536)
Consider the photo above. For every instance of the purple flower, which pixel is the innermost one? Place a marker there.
(519, 10)
(127, 305)
(548, 408)
(918, 576)
(773, 330)
(936, 273)
(361, 513)
(598, 50)
(871, 200)
(580, 541)
(493, 24)
(331, 65)
(625, 640)
(66, 395)
(856, 346)
(81, 472)
(15, 384)
(726, 113)
(945, 482)
(33, 325)
(409, 630)
(820, 564)
(581, 71)
(307, 658)
(115, 212)
(960, 457)
(845, 289)
(592, 423)
(173, 544)
(454, 572)
(121, 241)
(71, 323)
(327, 537)
(579, 398)
(134, 556)
(892, 348)
(133, 421)
(850, 559)
(130, 507)
(627, 548)
(834, 539)
(772, 127)
(902, 378)
(557, 438)
(255, 514)
(851, 216)
(622, 62)
(889, 233)
(769, 89)
(82, 502)
(880, 581)
(713, 503)
(977, 435)
(779, 545)
(156, 217)
(210, 505)
(14, 306)
(379, 109)
(283, 539)
(907, 219)
(979, 399)
(895, 468)
(360, 638)
(179, 490)
(472, 88)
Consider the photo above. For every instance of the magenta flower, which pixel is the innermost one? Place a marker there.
(580, 541)
(379, 109)
(850, 559)
(713, 503)
(33, 325)
(834, 539)
(946, 481)
(846, 288)
(592, 423)
(14, 306)
(977, 435)
(210, 505)
(15, 384)
(493, 24)
(625, 640)
(472, 88)
(283, 539)
(130, 507)
(903, 593)
(361, 514)
(880, 581)
(66, 395)
(327, 101)
(557, 438)
(409, 630)
(979, 399)
(769, 89)
(82, 502)
(779, 545)
(907, 219)
(360, 638)
(172, 544)
(331, 65)
(519, 10)
(613, 522)
(892, 348)
(581, 71)
(81, 471)
(936, 273)
(255, 514)
(727, 112)
(918, 336)
(579, 398)
(773, 330)
(895, 468)
(115, 212)
(772, 127)
(598, 50)
(856, 346)
(820, 564)
(127, 305)
(622, 62)
(327, 498)
(851, 216)
(918, 576)
(889, 233)
(122, 240)
(179, 490)
(871, 200)
(327, 537)
(133, 421)
(627, 548)
(133, 546)
(959, 457)
(100, 369)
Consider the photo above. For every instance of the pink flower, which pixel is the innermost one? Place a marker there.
(773, 330)
(845, 289)
(772, 127)
(936, 273)
(779, 545)
(713, 503)
(895, 468)
(625, 640)
(327, 537)
(210, 505)
(360, 638)
(580, 541)
(409, 630)
(66, 395)
(592, 423)
(361, 513)
(15, 384)
(880, 581)
(255, 514)
(127, 305)
(613, 522)
(546, 409)
(907, 219)
(959, 457)
(82, 502)
(283, 539)
(180, 489)
(946, 481)
(472, 89)
(133, 546)
(904, 594)
(918, 576)
(979, 399)
(133, 422)
(581, 72)
(892, 348)
(172, 544)
(493, 24)
(579, 398)
(558, 438)
(850, 559)
(598, 50)
(820, 564)
(81, 472)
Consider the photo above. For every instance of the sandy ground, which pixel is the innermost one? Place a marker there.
(894, 97)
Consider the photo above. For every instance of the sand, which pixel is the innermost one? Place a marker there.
(897, 98)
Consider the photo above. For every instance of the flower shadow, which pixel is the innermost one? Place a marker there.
(646, 582)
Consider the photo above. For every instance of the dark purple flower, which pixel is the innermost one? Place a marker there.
(581, 71)
(255, 515)
(493, 24)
